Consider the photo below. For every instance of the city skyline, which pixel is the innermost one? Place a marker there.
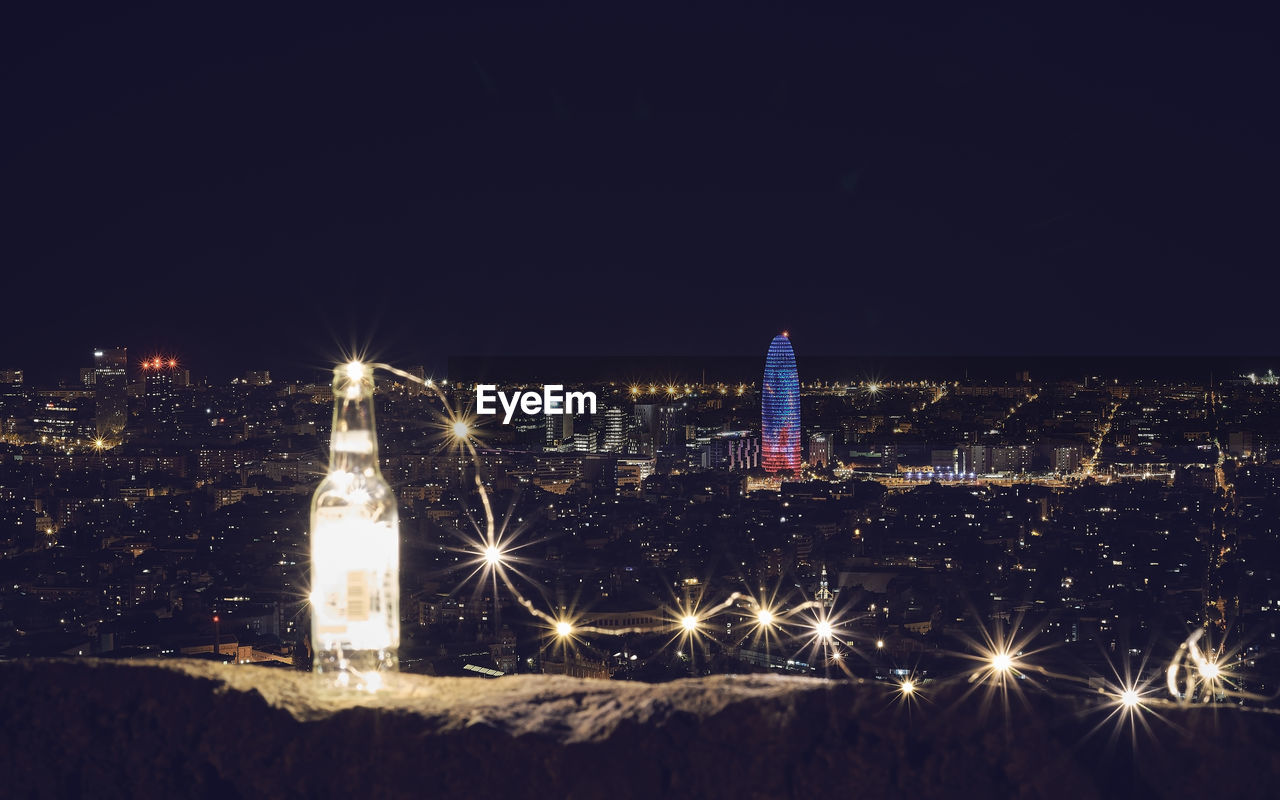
(893, 377)
(1107, 544)
(911, 452)
(663, 369)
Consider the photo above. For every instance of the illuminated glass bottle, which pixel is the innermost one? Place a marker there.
(355, 546)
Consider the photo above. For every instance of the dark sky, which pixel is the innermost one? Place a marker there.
(247, 187)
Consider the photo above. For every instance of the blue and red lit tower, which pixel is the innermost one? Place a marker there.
(780, 401)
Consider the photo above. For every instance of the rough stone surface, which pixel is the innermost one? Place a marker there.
(198, 729)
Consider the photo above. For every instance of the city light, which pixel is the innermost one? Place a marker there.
(564, 629)
(1210, 671)
(492, 556)
(461, 429)
(907, 687)
(689, 622)
(1001, 662)
(1005, 663)
(765, 617)
(822, 629)
(1207, 674)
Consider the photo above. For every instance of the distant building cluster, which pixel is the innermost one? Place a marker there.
(137, 504)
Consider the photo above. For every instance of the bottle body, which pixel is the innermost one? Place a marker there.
(355, 549)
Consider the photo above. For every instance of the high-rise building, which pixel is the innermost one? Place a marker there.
(559, 431)
(1066, 459)
(665, 424)
(980, 459)
(820, 450)
(671, 431)
(615, 434)
(646, 416)
(889, 454)
(780, 407)
(632, 472)
(110, 390)
(63, 421)
(1011, 459)
(587, 430)
(584, 439)
(732, 450)
(529, 431)
(161, 380)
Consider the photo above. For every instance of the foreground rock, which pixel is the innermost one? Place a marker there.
(197, 729)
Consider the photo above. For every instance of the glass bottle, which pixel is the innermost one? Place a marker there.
(355, 547)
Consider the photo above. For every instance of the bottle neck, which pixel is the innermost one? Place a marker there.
(353, 446)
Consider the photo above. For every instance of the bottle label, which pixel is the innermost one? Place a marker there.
(354, 580)
(360, 441)
(358, 595)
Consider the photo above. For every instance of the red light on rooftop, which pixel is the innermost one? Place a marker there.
(786, 334)
(173, 362)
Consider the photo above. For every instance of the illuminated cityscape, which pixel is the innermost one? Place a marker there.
(998, 498)
(1097, 516)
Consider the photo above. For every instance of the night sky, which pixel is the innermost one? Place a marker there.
(252, 188)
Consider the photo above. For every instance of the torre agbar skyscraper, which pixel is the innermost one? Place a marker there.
(780, 402)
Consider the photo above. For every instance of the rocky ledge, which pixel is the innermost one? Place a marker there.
(198, 729)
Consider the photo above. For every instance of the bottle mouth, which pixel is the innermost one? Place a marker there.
(354, 370)
(353, 380)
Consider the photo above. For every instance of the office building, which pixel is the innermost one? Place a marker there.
(110, 378)
(780, 412)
